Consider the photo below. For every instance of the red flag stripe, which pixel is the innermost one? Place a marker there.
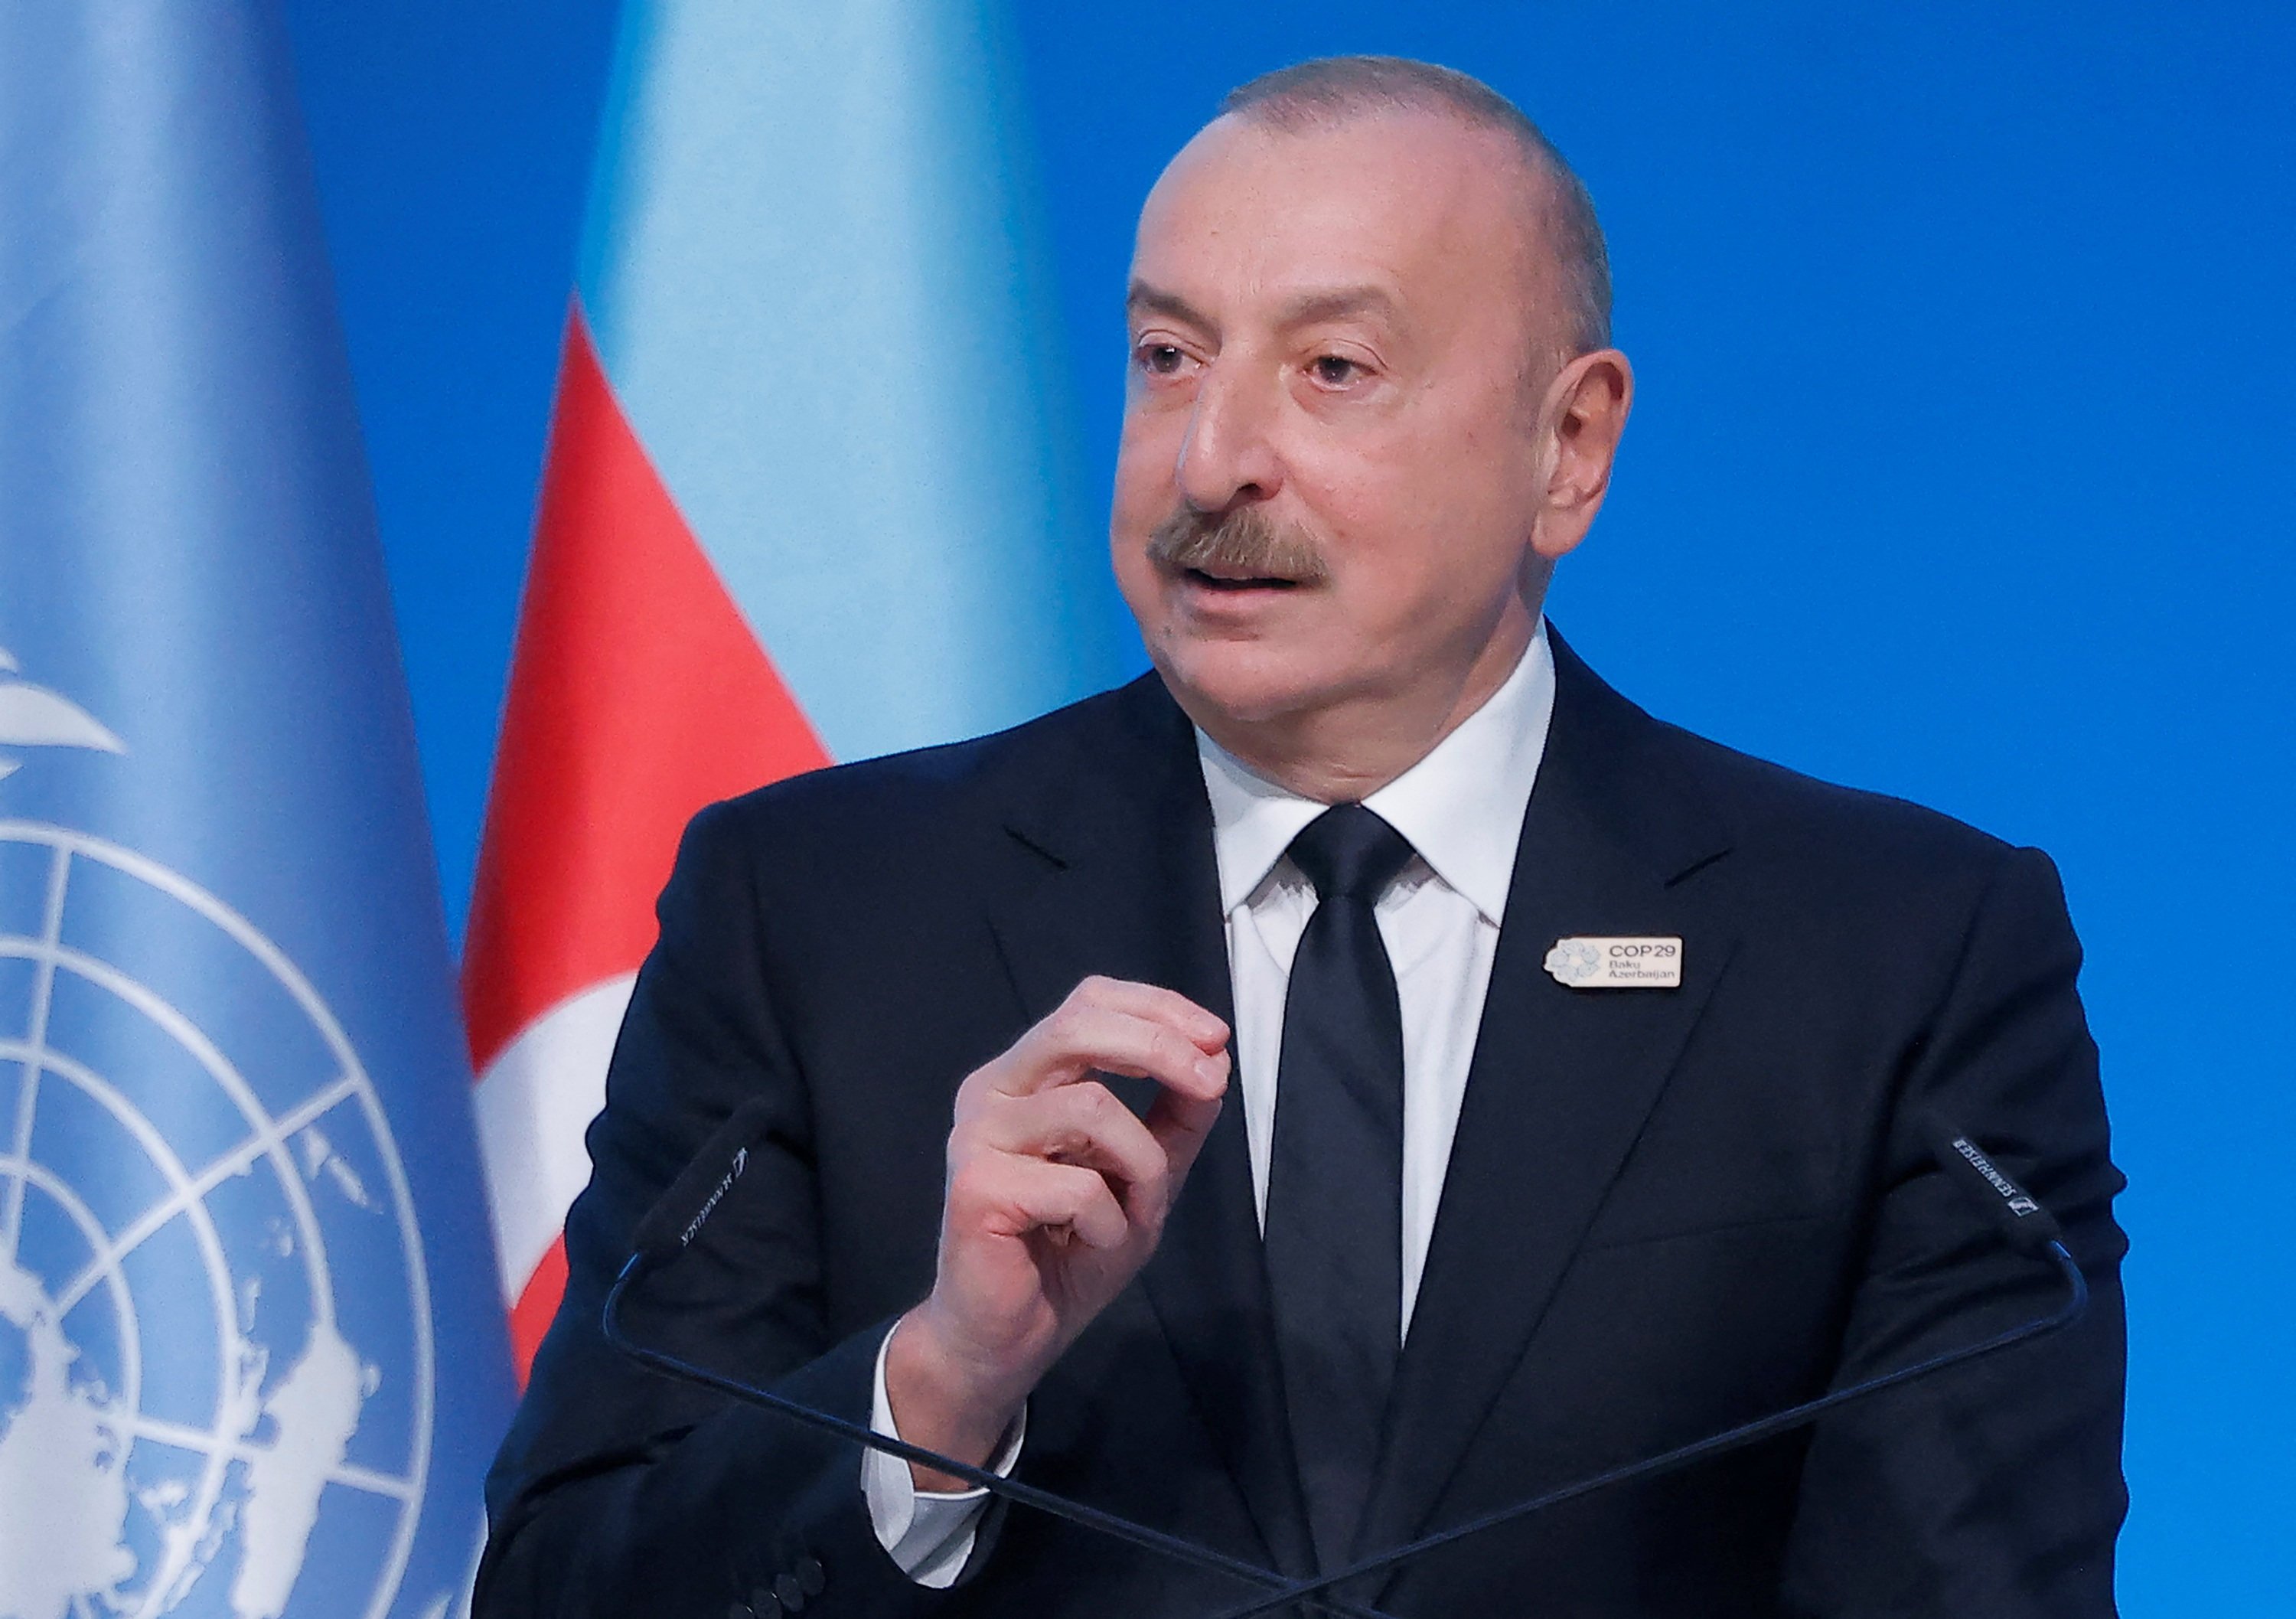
(530, 1317)
(638, 694)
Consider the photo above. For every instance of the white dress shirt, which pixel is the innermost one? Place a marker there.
(1462, 810)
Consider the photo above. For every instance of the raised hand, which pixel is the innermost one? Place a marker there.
(1057, 1194)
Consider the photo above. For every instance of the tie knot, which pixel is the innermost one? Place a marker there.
(1349, 852)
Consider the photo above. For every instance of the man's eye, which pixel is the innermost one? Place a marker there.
(1335, 371)
(1163, 359)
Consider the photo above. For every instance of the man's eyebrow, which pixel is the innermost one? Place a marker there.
(1142, 298)
(1337, 303)
(1303, 309)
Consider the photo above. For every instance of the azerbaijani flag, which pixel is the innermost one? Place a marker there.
(808, 497)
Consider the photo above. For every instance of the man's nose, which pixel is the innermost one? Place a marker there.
(1229, 457)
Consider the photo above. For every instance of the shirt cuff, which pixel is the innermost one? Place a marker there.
(927, 1533)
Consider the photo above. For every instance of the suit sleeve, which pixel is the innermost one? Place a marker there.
(619, 1492)
(1994, 1488)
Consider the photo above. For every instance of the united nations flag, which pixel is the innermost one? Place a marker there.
(252, 1359)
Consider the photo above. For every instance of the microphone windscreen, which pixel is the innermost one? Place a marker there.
(677, 1215)
(2020, 1215)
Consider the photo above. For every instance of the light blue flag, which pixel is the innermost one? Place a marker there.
(813, 272)
(252, 1361)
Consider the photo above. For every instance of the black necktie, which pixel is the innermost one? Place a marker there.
(1334, 1228)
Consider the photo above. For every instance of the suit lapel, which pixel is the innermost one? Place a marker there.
(1560, 1081)
(1129, 887)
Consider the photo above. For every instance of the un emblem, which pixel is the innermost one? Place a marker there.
(216, 1362)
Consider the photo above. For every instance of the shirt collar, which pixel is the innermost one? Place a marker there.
(1461, 807)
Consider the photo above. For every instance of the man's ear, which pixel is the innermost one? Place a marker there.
(1585, 413)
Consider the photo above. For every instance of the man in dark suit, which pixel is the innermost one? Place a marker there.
(1360, 1075)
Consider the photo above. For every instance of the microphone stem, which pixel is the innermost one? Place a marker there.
(1309, 1597)
(1761, 1428)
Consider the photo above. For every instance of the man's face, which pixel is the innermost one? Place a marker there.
(1331, 463)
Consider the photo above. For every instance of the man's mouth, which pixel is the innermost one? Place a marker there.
(1232, 583)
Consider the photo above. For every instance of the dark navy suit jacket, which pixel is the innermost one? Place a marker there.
(1667, 1212)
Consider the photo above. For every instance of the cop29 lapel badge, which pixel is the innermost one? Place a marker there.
(1587, 963)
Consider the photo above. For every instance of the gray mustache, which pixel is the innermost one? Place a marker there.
(1243, 543)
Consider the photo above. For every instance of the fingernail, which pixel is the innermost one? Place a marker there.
(1211, 1070)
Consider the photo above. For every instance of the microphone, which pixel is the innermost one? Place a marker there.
(2029, 1228)
(677, 1215)
(676, 1219)
(2021, 1218)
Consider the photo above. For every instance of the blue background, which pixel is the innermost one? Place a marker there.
(1959, 470)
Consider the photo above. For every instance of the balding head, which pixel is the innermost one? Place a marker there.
(1558, 214)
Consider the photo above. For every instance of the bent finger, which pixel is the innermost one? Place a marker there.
(1078, 1039)
(1082, 1123)
(1153, 1001)
(1179, 1125)
(1029, 1194)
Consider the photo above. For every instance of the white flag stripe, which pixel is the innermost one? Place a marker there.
(534, 1103)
